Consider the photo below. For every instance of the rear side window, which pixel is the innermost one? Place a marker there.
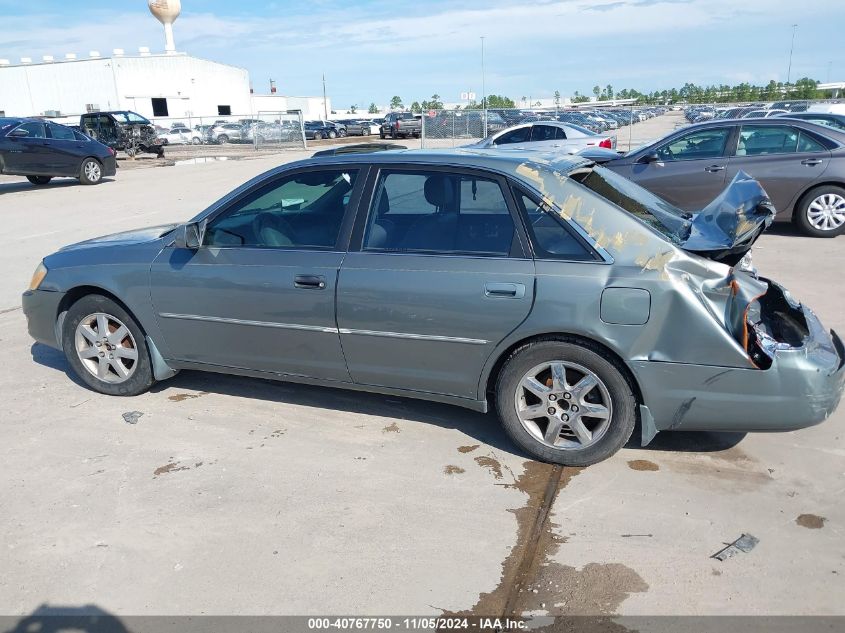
(551, 237)
(61, 133)
(807, 143)
(439, 213)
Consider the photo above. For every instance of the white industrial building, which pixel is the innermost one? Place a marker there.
(156, 85)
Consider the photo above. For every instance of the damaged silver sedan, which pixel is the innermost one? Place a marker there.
(570, 299)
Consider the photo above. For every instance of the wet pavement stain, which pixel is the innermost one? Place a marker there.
(453, 470)
(643, 464)
(810, 521)
(490, 463)
(181, 397)
(393, 428)
(468, 449)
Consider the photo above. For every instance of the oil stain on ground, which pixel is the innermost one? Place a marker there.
(642, 464)
(491, 463)
(393, 428)
(810, 521)
(468, 449)
(453, 470)
(173, 467)
(181, 397)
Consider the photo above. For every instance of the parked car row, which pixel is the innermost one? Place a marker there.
(699, 113)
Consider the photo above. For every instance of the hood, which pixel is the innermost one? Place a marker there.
(726, 228)
(135, 236)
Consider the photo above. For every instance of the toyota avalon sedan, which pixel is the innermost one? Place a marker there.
(569, 299)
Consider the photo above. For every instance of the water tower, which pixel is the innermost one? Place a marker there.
(166, 12)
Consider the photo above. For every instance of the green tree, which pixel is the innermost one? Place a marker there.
(500, 101)
(609, 91)
(353, 108)
(416, 107)
(579, 98)
(557, 99)
(597, 91)
(396, 103)
(373, 109)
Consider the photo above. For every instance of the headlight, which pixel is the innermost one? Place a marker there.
(38, 276)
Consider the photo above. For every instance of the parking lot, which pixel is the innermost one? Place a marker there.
(241, 496)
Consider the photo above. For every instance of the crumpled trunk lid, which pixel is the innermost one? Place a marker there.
(726, 229)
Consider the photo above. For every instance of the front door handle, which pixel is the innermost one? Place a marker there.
(309, 282)
(504, 290)
(812, 161)
(714, 168)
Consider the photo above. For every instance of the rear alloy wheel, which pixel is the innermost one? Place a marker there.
(196, 140)
(106, 348)
(565, 403)
(39, 180)
(222, 139)
(332, 134)
(822, 212)
(91, 172)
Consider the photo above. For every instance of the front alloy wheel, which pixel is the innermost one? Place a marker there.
(106, 348)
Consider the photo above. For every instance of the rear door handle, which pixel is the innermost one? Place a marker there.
(504, 290)
(714, 168)
(309, 282)
(812, 161)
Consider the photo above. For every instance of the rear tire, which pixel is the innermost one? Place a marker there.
(90, 172)
(222, 139)
(39, 180)
(578, 416)
(821, 212)
(83, 342)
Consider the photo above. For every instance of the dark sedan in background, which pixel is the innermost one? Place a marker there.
(800, 164)
(42, 150)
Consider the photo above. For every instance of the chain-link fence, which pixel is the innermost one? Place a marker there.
(229, 136)
(454, 128)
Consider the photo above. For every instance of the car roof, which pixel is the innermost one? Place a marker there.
(493, 160)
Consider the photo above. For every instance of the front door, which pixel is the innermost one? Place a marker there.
(439, 280)
(690, 170)
(65, 150)
(28, 152)
(259, 293)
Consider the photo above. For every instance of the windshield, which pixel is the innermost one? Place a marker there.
(641, 203)
(130, 117)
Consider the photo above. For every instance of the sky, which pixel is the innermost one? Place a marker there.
(374, 49)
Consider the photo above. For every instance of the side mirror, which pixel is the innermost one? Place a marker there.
(189, 235)
(18, 133)
(651, 157)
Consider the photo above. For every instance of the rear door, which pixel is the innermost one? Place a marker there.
(691, 169)
(65, 150)
(437, 275)
(785, 159)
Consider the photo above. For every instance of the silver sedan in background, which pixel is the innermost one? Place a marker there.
(547, 136)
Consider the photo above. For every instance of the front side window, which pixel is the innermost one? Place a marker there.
(695, 145)
(519, 135)
(438, 212)
(551, 237)
(33, 129)
(305, 210)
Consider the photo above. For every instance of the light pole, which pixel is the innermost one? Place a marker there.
(325, 107)
(483, 92)
(791, 47)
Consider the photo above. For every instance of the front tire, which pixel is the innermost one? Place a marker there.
(90, 172)
(565, 403)
(106, 348)
(222, 139)
(39, 180)
(821, 212)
